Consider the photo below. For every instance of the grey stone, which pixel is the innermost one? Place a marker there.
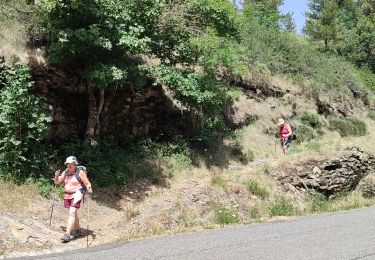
(316, 170)
(334, 176)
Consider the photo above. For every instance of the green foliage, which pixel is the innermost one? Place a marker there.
(281, 207)
(221, 15)
(254, 188)
(348, 26)
(191, 87)
(321, 21)
(350, 126)
(225, 216)
(358, 43)
(277, 52)
(109, 163)
(312, 119)
(318, 202)
(313, 145)
(371, 114)
(174, 156)
(220, 55)
(264, 12)
(304, 132)
(368, 79)
(105, 75)
(97, 35)
(24, 124)
(234, 94)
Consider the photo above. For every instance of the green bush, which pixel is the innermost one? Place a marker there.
(368, 79)
(304, 132)
(318, 202)
(350, 126)
(254, 188)
(281, 207)
(24, 123)
(225, 216)
(371, 114)
(289, 54)
(109, 163)
(312, 119)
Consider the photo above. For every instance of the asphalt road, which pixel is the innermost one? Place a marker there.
(343, 235)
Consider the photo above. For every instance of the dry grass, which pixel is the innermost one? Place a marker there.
(14, 198)
(13, 37)
(183, 206)
(13, 40)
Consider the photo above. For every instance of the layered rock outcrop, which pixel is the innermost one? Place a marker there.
(330, 177)
(132, 111)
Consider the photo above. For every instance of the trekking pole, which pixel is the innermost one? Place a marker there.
(88, 221)
(275, 148)
(53, 204)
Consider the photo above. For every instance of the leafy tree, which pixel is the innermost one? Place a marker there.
(322, 23)
(287, 23)
(105, 40)
(266, 12)
(346, 25)
(359, 37)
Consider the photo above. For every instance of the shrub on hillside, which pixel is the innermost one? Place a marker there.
(312, 119)
(254, 188)
(225, 216)
(281, 207)
(109, 163)
(304, 132)
(24, 124)
(371, 114)
(350, 126)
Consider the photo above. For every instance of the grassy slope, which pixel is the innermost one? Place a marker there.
(206, 198)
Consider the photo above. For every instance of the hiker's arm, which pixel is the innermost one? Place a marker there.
(85, 181)
(59, 178)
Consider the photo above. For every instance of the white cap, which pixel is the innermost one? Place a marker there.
(71, 159)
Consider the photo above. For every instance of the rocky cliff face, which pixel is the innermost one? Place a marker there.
(330, 177)
(140, 113)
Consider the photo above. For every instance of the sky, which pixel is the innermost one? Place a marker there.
(298, 7)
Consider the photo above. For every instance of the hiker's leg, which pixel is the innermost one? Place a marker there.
(71, 220)
(76, 222)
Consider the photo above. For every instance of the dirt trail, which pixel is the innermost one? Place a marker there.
(118, 216)
(144, 210)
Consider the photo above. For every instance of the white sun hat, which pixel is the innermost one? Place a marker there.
(71, 159)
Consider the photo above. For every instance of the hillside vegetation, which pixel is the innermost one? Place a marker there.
(227, 73)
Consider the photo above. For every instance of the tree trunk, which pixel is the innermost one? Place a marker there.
(108, 101)
(100, 109)
(97, 112)
(92, 114)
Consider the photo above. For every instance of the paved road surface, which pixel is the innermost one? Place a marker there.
(343, 235)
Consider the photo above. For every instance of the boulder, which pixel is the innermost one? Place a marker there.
(367, 186)
(332, 177)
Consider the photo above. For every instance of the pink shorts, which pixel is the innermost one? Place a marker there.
(69, 203)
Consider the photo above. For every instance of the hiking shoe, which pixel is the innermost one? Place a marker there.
(65, 238)
(77, 233)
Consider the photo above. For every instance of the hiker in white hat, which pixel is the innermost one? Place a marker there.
(76, 184)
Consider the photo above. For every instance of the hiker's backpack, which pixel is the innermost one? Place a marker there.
(80, 168)
(294, 132)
